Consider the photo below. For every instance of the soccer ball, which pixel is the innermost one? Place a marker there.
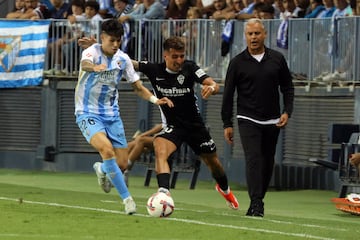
(160, 205)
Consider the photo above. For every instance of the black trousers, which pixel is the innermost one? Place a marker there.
(259, 144)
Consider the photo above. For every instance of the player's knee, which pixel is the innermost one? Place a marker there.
(141, 140)
(106, 152)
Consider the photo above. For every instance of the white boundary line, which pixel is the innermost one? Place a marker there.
(291, 223)
(302, 235)
(255, 219)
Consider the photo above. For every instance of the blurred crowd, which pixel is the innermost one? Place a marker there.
(127, 10)
(83, 17)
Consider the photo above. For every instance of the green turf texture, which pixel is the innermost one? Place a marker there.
(46, 205)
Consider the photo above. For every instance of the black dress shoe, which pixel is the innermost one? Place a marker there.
(256, 209)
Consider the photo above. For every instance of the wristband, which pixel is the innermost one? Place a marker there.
(153, 99)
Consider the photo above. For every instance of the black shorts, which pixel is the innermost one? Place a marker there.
(198, 138)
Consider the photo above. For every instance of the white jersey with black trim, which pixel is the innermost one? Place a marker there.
(97, 92)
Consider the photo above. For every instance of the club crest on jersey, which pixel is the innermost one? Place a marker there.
(181, 79)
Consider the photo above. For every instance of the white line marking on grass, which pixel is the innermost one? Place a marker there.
(287, 222)
(271, 220)
(304, 225)
(63, 205)
(307, 236)
(109, 201)
(192, 210)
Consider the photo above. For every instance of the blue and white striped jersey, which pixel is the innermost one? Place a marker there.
(97, 92)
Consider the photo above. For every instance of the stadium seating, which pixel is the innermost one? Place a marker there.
(349, 175)
(345, 136)
(337, 135)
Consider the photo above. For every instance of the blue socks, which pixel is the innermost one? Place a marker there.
(113, 172)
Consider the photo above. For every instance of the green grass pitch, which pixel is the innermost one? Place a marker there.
(45, 205)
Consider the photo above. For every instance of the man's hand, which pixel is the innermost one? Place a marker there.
(123, 18)
(72, 19)
(165, 100)
(283, 120)
(207, 91)
(229, 135)
(209, 87)
(86, 42)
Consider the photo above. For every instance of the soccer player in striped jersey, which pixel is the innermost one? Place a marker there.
(97, 111)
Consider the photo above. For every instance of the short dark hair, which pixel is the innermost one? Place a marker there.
(78, 3)
(175, 43)
(320, 2)
(258, 5)
(267, 8)
(113, 28)
(125, 1)
(93, 4)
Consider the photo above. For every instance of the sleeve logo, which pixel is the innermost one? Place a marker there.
(199, 73)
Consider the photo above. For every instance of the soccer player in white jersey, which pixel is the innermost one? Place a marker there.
(97, 111)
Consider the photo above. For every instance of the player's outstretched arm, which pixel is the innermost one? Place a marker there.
(209, 87)
(144, 93)
(86, 42)
(135, 64)
(88, 66)
(157, 128)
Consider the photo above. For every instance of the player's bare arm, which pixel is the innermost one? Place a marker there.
(157, 128)
(14, 15)
(88, 66)
(29, 14)
(144, 93)
(209, 87)
(86, 42)
(135, 64)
